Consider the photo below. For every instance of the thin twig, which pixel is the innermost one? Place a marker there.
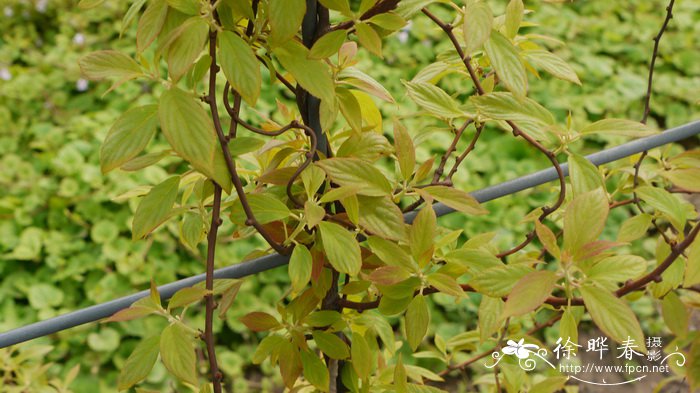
(546, 211)
(209, 338)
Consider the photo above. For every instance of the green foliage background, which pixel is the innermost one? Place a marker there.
(65, 241)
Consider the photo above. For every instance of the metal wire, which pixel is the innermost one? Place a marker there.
(104, 310)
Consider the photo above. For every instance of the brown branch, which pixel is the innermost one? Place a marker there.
(208, 335)
(647, 108)
(464, 154)
(450, 149)
(230, 165)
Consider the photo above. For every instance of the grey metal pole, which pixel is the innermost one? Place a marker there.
(104, 310)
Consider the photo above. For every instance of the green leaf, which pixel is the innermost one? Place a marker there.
(313, 213)
(529, 293)
(285, 19)
(633, 228)
(369, 38)
(618, 127)
(405, 151)
(422, 235)
(313, 75)
(192, 230)
(343, 6)
(687, 179)
(692, 267)
(549, 385)
(499, 281)
(417, 321)
(490, 309)
(478, 21)
(186, 46)
(548, 239)
(260, 321)
(128, 136)
(505, 59)
(382, 217)
(666, 203)
(315, 370)
(616, 269)
(445, 284)
(331, 345)
(189, 7)
(350, 108)
(187, 296)
(155, 207)
(289, 363)
(454, 198)
(354, 77)
(434, 100)
(240, 66)
(328, 44)
(341, 248)
(583, 174)
(361, 356)
(140, 363)
(388, 21)
(108, 64)
(514, 16)
(675, 314)
(266, 209)
(584, 220)
(568, 328)
(391, 253)
(300, 267)
(553, 64)
(151, 23)
(505, 106)
(355, 173)
(177, 353)
(612, 315)
(190, 131)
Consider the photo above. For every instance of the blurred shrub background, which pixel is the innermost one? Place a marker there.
(65, 240)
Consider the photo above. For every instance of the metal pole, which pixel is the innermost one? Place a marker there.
(104, 310)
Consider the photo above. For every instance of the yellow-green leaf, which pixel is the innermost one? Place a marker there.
(382, 217)
(189, 7)
(155, 207)
(478, 20)
(584, 219)
(692, 267)
(285, 19)
(266, 208)
(434, 100)
(369, 38)
(612, 315)
(186, 46)
(514, 16)
(405, 150)
(417, 321)
(687, 179)
(315, 371)
(341, 248)
(128, 136)
(259, 321)
(240, 66)
(313, 75)
(358, 174)
(529, 293)
(331, 345)
(300, 267)
(361, 356)
(553, 64)
(633, 228)
(140, 363)
(177, 353)
(189, 130)
(621, 127)
(507, 63)
(187, 296)
(328, 44)
(456, 199)
(151, 23)
(109, 64)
